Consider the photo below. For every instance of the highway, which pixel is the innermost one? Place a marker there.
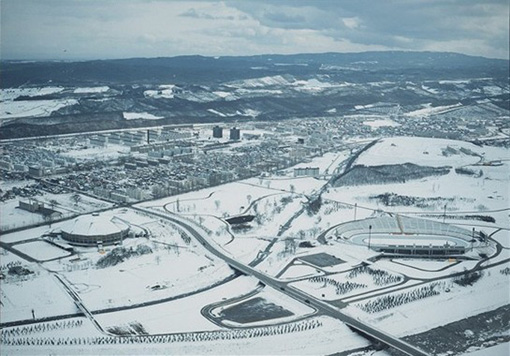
(297, 294)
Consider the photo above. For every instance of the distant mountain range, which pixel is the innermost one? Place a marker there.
(112, 94)
(208, 70)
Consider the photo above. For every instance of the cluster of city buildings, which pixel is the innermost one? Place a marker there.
(151, 163)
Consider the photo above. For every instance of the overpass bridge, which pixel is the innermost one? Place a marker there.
(295, 293)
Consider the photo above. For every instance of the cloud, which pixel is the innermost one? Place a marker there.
(483, 24)
(194, 13)
(33, 29)
(351, 22)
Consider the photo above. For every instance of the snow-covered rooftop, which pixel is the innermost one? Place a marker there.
(93, 225)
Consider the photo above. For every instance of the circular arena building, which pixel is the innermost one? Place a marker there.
(94, 230)
(402, 235)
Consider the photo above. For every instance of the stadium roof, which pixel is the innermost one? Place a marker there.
(94, 225)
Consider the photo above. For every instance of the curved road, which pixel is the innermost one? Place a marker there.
(297, 294)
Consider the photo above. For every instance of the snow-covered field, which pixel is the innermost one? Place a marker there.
(13, 217)
(488, 293)
(432, 110)
(483, 192)
(90, 90)
(33, 108)
(13, 93)
(140, 115)
(40, 292)
(426, 151)
(41, 250)
(181, 279)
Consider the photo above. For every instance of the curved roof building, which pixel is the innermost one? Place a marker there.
(403, 235)
(94, 229)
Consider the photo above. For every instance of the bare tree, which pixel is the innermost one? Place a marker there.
(53, 204)
(76, 198)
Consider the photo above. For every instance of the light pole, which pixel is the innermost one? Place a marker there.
(444, 214)
(355, 207)
(472, 239)
(369, 235)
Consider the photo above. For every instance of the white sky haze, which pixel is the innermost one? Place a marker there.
(103, 29)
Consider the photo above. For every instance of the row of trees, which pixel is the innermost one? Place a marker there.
(234, 334)
(41, 327)
(185, 237)
(380, 277)
(7, 266)
(340, 287)
(395, 300)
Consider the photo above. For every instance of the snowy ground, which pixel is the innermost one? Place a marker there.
(328, 338)
(13, 93)
(89, 90)
(488, 293)
(178, 266)
(140, 115)
(41, 250)
(32, 108)
(40, 292)
(13, 217)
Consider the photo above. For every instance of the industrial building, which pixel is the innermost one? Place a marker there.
(306, 172)
(217, 132)
(235, 134)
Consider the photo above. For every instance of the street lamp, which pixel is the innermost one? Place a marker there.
(369, 235)
(355, 207)
(444, 214)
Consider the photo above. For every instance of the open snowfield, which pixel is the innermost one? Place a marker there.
(486, 190)
(432, 110)
(40, 292)
(498, 350)
(13, 217)
(488, 293)
(132, 281)
(9, 94)
(427, 152)
(33, 108)
(140, 115)
(91, 90)
(180, 315)
(41, 250)
(223, 200)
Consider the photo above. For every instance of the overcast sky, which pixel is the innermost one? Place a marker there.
(101, 29)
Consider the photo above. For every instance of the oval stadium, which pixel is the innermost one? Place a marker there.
(402, 235)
